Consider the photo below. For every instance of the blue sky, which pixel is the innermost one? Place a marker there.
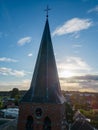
(74, 28)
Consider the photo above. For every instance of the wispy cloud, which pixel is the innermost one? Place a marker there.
(76, 48)
(73, 26)
(30, 54)
(5, 59)
(73, 66)
(10, 72)
(95, 9)
(24, 40)
(22, 85)
(74, 63)
(76, 45)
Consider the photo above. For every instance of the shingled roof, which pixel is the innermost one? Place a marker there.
(45, 86)
(81, 125)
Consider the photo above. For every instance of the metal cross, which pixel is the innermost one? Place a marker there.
(47, 10)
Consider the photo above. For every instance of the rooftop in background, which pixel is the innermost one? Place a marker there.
(81, 125)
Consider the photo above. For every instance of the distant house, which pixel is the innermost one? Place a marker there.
(81, 122)
(8, 102)
(4, 93)
(81, 125)
(79, 116)
(95, 108)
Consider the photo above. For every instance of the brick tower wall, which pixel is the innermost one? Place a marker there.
(56, 113)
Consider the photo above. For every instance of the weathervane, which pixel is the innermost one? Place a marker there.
(47, 10)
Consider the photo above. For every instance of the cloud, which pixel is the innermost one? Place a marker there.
(30, 54)
(24, 40)
(73, 26)
(81, 79)
(5, 59)
(75, 66)
(95, 9)
(87, 83)
(87, 77)
(76, 45)
(80, 83)
(10, 72)
(21, 85)
(76, 48)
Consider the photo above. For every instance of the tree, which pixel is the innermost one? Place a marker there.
(15, 92)
(1, 104)
(69, 112)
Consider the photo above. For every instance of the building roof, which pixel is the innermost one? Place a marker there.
(45, 86)
(81, 125)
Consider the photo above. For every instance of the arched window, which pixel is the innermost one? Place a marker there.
(29, 123)
(47, 124)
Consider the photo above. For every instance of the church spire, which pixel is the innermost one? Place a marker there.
(45, 86)
(43, 107)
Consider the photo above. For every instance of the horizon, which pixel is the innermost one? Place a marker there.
(72, 91)
(74, 39)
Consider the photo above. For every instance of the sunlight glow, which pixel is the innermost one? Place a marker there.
(66, 74)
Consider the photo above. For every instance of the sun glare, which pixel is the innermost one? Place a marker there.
(66, 74)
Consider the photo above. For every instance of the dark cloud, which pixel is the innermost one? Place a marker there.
(87, 77)
(79, 79)
(81, 83)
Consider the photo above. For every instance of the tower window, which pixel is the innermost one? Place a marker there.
(29, 123)
(47, 124)
(38, 112)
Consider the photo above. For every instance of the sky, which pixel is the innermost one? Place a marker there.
(74, 33)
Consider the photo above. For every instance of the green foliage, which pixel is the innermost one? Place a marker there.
(91, 115)
(1, 104)
(14, 93)
(17, 97)
(94, 123)
(79, 106)
(69, 113)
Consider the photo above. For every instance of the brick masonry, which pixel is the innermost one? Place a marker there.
(55, 112)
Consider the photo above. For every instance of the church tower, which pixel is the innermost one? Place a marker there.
(42, 107)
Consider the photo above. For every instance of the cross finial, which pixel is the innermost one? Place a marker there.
(47, 10)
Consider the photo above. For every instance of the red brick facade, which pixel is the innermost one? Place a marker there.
(55, 112)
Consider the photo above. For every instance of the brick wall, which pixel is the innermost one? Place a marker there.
(54, 111)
